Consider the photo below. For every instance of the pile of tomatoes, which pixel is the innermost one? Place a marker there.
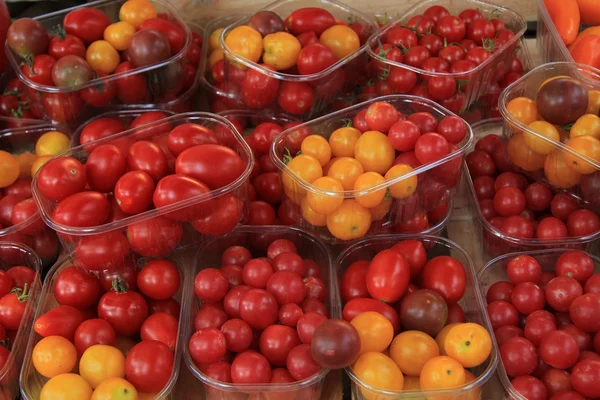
(420, 57)
(400, 287)
(88, 46)
(517, 207)
(114, 331)
(257, 316)
(14, 106)
(308, 43)
(356, 161)
(546, 319)
(157, 165)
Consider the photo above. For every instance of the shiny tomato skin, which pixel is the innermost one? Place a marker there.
(133, 192)
(575, 264)
(250, 367)
(158, 280)
(12, 310)
(388, 276)
(59, 321)
(154, 237)
(149, 366)
(161, 327)
(83, 209)
(92, 332)
(86, 23)
(169, 306)
(276, 342)
(258, 308)
(67, 45)
(148, 157)
(199, 162)
(25, 215)
(61, 177)
(100, 128)
(173, 33)
(185, 136)
(354, 278)
(173, 189)
(360, 305)
(223, 219)
(447, 276)
(77, 288)
(133, 88)
(309, 19)
(126, 312)
(104, 166)
(102, 251)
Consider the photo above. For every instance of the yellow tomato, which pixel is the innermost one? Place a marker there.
(374, 152)
(9, 169)
(38, 163)
(137, 11)
(312, 217)
(558, 172)
(281, 50)
(119, 35)
(53, 356)
(376, 331)
(341, 39)
(411, 350)
(346, 170)
(440, 339)
(523, 109)
(593, 102)
(102, 57)
(246, 42)
(213, 41)
(216, 55)
(406, 186)
(100, 362)
(587, 146)
(442, 372)
(51, 143)
(349, 221)
(373, 197)
(586, 125)
(115, 389)
(318, 147)
(537, 144)
(302, 167)
(25, 161)
(343, 140)
(320, 200)
(470, 344)
(66, 387)
(379, 372)
(522, 156)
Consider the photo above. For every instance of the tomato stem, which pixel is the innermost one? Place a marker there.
(24, 293)
(59, 31)
(120, 285)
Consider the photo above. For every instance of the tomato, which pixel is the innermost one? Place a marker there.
(115, 386)
(353, 284)
(21, 276)
(100, 94)
(93, 332)
(235, 255)
(359, 305)
(388, 276)
(225, 217)
(583, 223)
(77, 288)
(102, 251)
(276, 342)
(519, 356)
(207, 346)
(450, 283)
(61, 177)
(53, 356)
(374, 152)
(584, 312)
(250, 367)
(161, 327)
(566, 17)
(137, 11)
(198, 161)
(259, 90)
(25, 213)
(286, 287)
(295, 98)
(100, 128)
(149, 366)
(86, 23)
(100, 362)
(154, 237)
(102, 57)
(186, 136)
(210, 285)
(133, 88)
(584, 378)
(171, 32)
(258, 308)
(457, 343)
(593, 284)
(290, 314)
(314, 58)
(527, 297)
(559, 349)
(64, 44)
(39, 69)
(524, 268)
(380, 371)
(530, 387)
(268, 187)
(238, 335)
(125, 271)
(374, 330)
(301, 364)
(104, 166)
(309, 19)
(59, 321)
(124, 310)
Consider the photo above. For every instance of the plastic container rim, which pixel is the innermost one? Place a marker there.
(375, 39)
(282, 167)
(94, 230)
(112, 77)
(228, 54)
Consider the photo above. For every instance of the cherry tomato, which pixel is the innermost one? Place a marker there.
(93, 332)
(61, 177)
(161, 327)
(154, 237)
(59, 321)
(77, 288)
(124, 310)
(102, 251)
(519, 356)
(158, 280)
(250, 367)
(149, 366)
(86, 23)
(82, 209)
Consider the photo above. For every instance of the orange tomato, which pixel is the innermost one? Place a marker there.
(115, 388)
(329, 164)
(523, 109)
(522, 156)
(246, 42)
(51, 143)
(53, 356)
(66, 387)
(376, 331)
(536, 143)
(101, 362)
(312, 217)
(374, 152)
(379, 372)
(440, 339)
(586, 146)
(343, 140)
(406, 186)
(558, 172)
(137, 11)
(566, 18)
(119, 35)
(213, 41)
(318, 147)
(586, 125)
(25, 161)
(36, 164)
(341, 39)
(442, 372)
(346, 170)
(382, 209)
(349, 221)
(302, 167)
(102, 57)
(593, 102)
(281, 50)
(9, 169)
(321, 201)
(366, 181)
(470, 344)
(473, 394)
(592, 30)
(587, 51)
(411, 350)
(589, 11)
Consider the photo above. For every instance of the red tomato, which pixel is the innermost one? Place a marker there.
(528, 386)
(502, 313)
(100, 128)
(258, 308)
(250, 367)
(559, 349)
(585, 378)
(77, 288)
(65, 45)
(154, 237)
(388, 276)
(381, 116)
(169, 306)
(100, 94)
(21, 276)
(186, 136)
(585, 312)
(231, 301)
(199, 162)
(132, 88)
(296, 98)
(431, 147)
(148, 157)
(583, 222)
(301, 364)
(259, 90)
(451, 28)
(149, 366)
(276, 342)
(104, 166)
(92, 332)
(133, 192)
(102, 251)
(126, 311)
(286, 287)
(173, 33)
(314, 58)
(86, 23)
(59, 321)
(561, 292)
(360, 305)
(354, 281)
(161, 327)
(25, 215)
(61, 177)
(575, 264)
(238, 334)
(309, 19)
(528, 297)
(519, 356)
(39, 69)
(210, 285)
(173, 189)
(224, 218)
(158, 280)
(83, 209)
(447, 276)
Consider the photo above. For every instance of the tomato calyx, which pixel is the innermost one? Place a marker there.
(347, 123)
(489, 45)
(28, 60)
(460, 83)
(18, 113)
(59, 31)
(287, 156)
(120, 285)
(22, 294)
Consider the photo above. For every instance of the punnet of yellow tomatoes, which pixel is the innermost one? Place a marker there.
(390, 164)
(552, 119)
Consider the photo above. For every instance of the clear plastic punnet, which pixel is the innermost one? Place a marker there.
(473, 83)
(430, 203)
(256, 239)
(550, 166)
(551, 46)
(160, 82)
(495, 271)
(231, 198)
(32, 382)
(15, 254)
(318, 89)
(495, 242)
(472, 303)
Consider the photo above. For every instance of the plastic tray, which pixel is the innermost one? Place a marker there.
(472, 304)
(495, 271)
(237, 188)
(549, 42)
(162, 77)
(528, 86)
(325, 125)
(484, 74)
(494, 241)
(257, 239)
(31, 382)
(249, 119)
(353, 65)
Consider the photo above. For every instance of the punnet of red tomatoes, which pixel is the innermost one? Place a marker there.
(296, 62)
(136, 190)
(125, 52)
(545, 310)
(517, 212)
(14, 104)
(391, 163)
(551, 118)
(19, 292)
(419, 316)
(98, 334)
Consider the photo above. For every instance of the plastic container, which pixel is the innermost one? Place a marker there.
(495, 271)
(324, 85)
(495, 242)
(551, 46)
(157, 132)
(64, 104)
(472, 303)
(528, 86)
(31, 382)
(257, 239)
(480, 78)
(14, 254)
(247, 120)
(429, 198)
